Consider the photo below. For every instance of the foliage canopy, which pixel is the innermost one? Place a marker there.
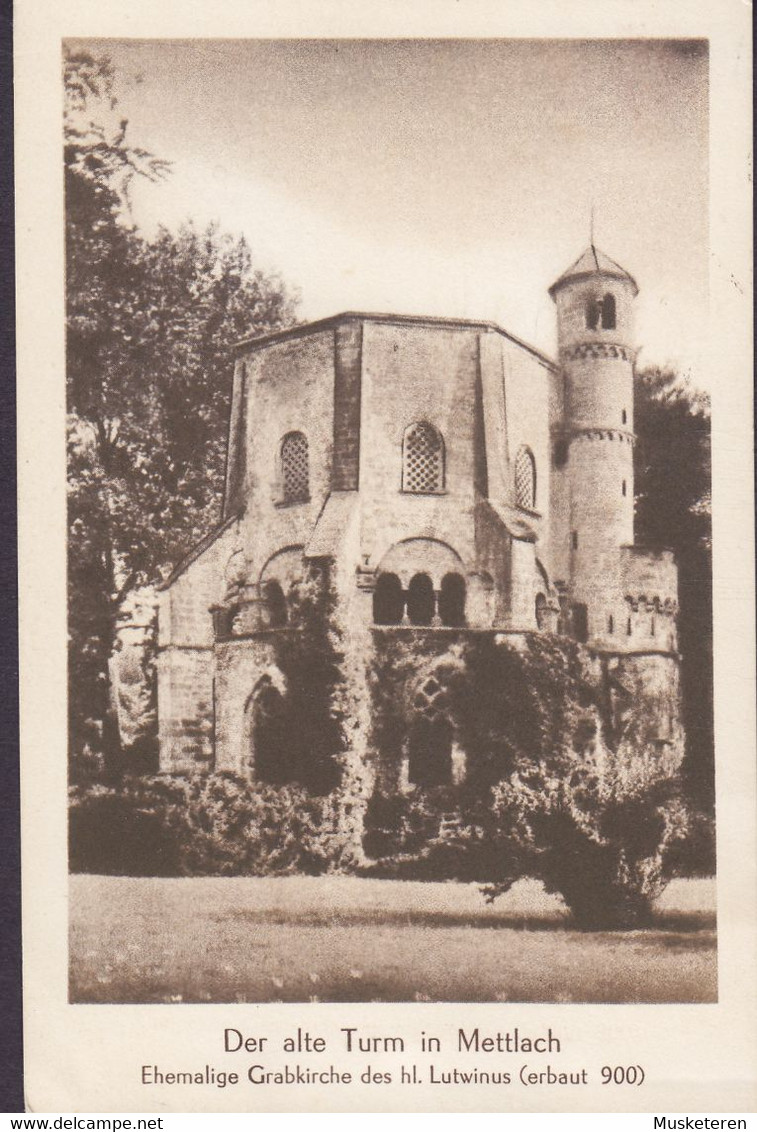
(150, 326)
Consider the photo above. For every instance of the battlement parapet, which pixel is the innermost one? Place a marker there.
(649, 575)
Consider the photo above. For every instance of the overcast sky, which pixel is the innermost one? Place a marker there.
(446, 177)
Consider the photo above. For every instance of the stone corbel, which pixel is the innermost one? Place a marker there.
(365, 579)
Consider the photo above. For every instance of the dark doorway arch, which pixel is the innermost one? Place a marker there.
(268, 748)
(430, 751)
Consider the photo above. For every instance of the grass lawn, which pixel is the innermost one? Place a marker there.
(347, 939)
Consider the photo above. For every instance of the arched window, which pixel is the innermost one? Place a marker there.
(430, 751)
(269, 751)
(295, 468)
(276, 604)
(422, 459)
(420, 600)
(592, 314)
(608, 312)
(525, 479)
(388, 600)
(541, 611)
(452, 600)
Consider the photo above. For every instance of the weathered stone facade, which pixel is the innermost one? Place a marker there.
(450, 480)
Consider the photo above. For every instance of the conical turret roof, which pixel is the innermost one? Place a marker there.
(593, 262)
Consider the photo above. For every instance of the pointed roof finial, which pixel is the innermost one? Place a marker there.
(591, 226)
(593, 262)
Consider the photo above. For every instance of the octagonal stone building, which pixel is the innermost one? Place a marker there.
(449, 479)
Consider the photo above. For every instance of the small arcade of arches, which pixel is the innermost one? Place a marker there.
(423, 459)
(420, 604)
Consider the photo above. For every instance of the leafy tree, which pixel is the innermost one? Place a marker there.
(673, 480)
(150, 330)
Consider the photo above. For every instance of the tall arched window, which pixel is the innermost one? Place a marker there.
(276, 604)
(580, 622)
(525, 479)
(592, 314)
(388, 600)
(295, 468)
(430, 751)
(608, 312)
(422, 459)
(420, 600)
(269, 751)
(541, 611)
(452, 600)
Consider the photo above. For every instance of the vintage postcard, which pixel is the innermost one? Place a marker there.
(386, 557)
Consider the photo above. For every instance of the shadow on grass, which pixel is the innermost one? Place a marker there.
(659, 924)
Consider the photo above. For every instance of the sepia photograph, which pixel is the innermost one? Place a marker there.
(389, 536)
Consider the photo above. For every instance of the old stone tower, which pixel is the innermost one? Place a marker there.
(450, 480)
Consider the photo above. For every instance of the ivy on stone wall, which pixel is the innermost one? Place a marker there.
(556, 786)
(521, 700)
(506, 700)
(312, 662)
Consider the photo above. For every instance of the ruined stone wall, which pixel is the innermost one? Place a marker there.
(489, 596)
(239, 665)
(185, 656)
(645, 688)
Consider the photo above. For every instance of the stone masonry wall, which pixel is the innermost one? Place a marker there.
(185, 656)
(240, 665)
(348, 345)
(290, 389)
(410, 374)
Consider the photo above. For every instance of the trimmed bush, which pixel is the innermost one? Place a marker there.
(216, 825)
(598, 829)
(448, 833)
